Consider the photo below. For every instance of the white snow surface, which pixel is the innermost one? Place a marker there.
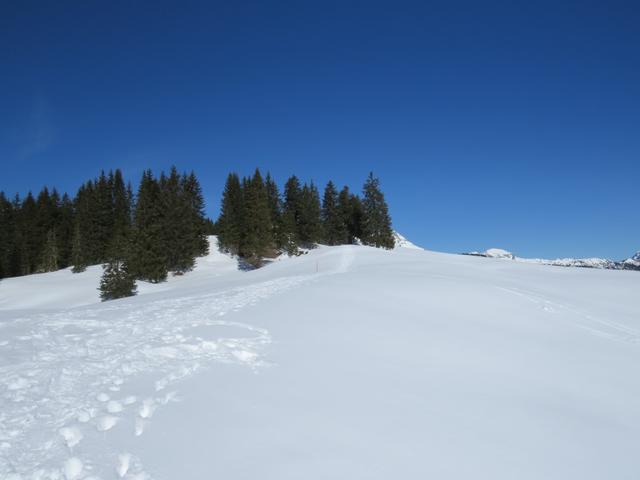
(402, 242)
(345, 363)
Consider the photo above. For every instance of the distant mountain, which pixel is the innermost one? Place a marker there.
(631, 263)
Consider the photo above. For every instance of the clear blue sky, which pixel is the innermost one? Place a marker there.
(506, 124)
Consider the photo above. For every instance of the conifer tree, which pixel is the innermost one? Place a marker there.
(290, 214)
(117, 281)
(7, 236)
(309, 223)
(148, 260)
(121, 206)
(199, 227)
(334, 227)
(49, 259)
(275, 210)
(78, 255)
(230, 223)
(376, 226)
(64, 231)
(176, 238)
(257, 242)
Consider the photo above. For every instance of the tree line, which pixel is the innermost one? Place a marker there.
(160, 229)
(256, 222)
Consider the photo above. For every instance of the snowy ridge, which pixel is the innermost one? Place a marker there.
(602, 263)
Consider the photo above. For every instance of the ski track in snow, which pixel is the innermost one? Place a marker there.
(75, 372)
(596, 326)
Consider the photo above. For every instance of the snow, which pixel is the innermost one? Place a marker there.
(346, 362)
(499, 253)
(401, 242)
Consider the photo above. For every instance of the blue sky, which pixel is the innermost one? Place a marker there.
(490, 124)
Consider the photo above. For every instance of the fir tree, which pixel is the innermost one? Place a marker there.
(275, 210)
(231, 221)
(64, 231)
(148, 260)
(309, 223)
(291, 214)
(376, 226)
(49, 258)
(117, 281)
(198, 230)
(257, 241)
(78, 256)
(334, 228)
(7, 236)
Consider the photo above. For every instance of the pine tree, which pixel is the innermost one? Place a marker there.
(102, 216)
(230, 223)
(117, 281)
(377, 230)
(291, 212)
(148, 254)
(7, 236)
(176, 236)
(334, 227)
(198, 230)
(79, 260)
(49, 257)
(275, 210)
(309, 223)
(64, 231)
(257, 242)
(121, 206)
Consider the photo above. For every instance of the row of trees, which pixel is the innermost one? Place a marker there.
(159, 230)
(257, 222)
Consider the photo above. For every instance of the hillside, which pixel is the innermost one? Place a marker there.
(347, 362)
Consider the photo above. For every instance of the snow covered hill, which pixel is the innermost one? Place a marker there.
(347, 362)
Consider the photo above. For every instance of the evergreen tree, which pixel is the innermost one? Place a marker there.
(29, 251)
(291, 214)
(79, 260)
(148, 260)
(102, 217)
(117, 281)
(334, 227)
(231, 221)
(176, 238)
(198, 230)
(275, 210)
(377, 222)
(309, 223)
(64, 231)
(257, 241)
(49, 260)
(7, 236)
(121, 206)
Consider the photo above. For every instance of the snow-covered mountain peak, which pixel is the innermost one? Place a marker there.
(499, 253)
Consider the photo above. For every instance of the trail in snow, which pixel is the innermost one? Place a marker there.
(597, 326)
(75, 375)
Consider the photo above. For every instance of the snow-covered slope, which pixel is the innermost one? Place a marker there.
(346, 362)
(402, 242)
